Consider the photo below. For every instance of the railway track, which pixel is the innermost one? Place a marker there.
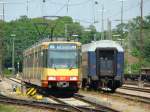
(45, 105)
(84, 104)
(81, 104)
(134, 93)
(60, 106)
(133, 97)
(77, 107)
(136, 83)
(15, 80)
(136, 89)
(94, 103)
(121, 94)
(36, 104)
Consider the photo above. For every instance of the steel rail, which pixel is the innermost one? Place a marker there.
(136, 89)
(133, 97)
(136, 83)
(42, 105)
(98, 106)
(147, 85)
(79, 108)
(14, 80)
(61, 102)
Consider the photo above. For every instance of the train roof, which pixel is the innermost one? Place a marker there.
(44, 45)
(102, 44)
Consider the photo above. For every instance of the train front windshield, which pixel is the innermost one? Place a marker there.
(63, 56)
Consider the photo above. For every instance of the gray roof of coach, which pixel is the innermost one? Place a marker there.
(102, 44)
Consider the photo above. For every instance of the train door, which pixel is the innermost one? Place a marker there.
(106, 67)
(105, 62)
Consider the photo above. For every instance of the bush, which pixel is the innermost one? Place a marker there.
(135, 52)
(7, 72)
(135, 68)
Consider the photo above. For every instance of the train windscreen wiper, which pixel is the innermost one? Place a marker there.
(71, 67)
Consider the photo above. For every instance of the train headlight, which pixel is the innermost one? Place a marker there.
(51, 78)
(73, 78)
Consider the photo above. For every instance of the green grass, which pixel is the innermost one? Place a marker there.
(7, 108)
(17, 108)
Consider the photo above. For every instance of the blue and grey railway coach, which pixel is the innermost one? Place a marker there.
(102, 65)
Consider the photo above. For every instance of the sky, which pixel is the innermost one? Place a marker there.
(83, 11)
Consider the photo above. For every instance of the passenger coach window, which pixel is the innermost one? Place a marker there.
(45, 57)
(40, 58)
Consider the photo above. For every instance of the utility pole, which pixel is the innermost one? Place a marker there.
(102, 27)
(42, 10)
(3, 7)
(66, 25)
(18, 67)
(13, 54)
(1, 38)
(67, 6)
(128, 50)
(66, 31)
(141, 31)
(1, 51)
(121, 21)
(5, 3)
(27, 8)
(3, 12)
(141, 25)
(13, 61)
(109, 33)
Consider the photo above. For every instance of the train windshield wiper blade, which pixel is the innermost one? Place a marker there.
(70, 68)
(54, 67)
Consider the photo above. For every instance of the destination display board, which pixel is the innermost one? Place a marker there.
(62, 46)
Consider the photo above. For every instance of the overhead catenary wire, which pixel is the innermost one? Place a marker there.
(3, 7)
(67, 5)
(125, 11)
(129, 9)
(73, 4)
(76, 19)
(60, 9)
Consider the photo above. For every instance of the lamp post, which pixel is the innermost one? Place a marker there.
(13, 53)
(102, 19)
(66, 31)
(121, 20)
(18, 67)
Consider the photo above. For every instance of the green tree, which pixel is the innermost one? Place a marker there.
(27, 33)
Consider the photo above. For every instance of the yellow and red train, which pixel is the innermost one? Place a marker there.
(53, 65)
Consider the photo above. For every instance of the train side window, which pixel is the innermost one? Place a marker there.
(41, 58)
(45, 57)
(79, 59)
(38, 57)
(27, 61)
(32, 61)
(35, 60)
